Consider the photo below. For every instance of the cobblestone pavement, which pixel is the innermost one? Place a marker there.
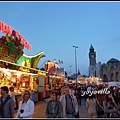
(41, 106)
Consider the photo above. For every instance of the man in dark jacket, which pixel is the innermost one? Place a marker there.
(54, 107)
(6, 104)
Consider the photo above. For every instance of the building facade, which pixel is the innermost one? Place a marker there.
(110, 72)
(98, 69)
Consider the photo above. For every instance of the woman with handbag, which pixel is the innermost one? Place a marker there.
(91, 105)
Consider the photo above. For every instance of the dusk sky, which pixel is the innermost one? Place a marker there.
(54, 27)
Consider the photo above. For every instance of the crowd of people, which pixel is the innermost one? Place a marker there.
(108, 98)
(64, 102)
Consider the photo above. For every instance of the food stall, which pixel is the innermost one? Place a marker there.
(55, 77)
(16, 68)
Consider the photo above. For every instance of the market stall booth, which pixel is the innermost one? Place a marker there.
(16, 68)
(93, 81)
(12, 75)
(81, 80)
(55, 78)
(30, 63)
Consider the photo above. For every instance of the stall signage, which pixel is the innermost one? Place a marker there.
(6, 29)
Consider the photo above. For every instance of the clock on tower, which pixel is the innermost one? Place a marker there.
(92, 56)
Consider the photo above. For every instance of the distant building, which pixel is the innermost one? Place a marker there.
(98, 69)
(94, 68)
(110, 71)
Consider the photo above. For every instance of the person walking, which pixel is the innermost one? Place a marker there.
(6, 104)
(91, 105)
(109, 105)
(26, 106)
(11, 93)
(54, 106)
(78, 94)
(69, 103)
(62, 90)
(72, 91)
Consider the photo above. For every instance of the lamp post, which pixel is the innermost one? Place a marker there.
(76, 62)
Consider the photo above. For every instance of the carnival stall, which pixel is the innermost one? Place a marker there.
(81, 79)
(55, 77)
(11, 75)
(16, 68)
(94, 80)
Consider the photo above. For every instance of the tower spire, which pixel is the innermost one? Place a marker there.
(91, 47)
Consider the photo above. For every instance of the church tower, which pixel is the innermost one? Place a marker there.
(92, 62)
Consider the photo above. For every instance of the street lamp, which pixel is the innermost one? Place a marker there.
(76, 62)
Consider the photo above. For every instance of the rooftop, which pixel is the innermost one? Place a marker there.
(113, 60)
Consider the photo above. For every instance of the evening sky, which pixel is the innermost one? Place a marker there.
(54, 27)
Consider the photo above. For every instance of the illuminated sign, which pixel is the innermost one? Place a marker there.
(6, 29)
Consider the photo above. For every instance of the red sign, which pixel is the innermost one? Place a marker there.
(6, 29)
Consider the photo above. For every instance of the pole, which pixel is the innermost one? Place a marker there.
(43, 63)
(75, 63)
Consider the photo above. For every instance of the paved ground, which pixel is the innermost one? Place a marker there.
(39, 109)
(41, 106)
(83, 110)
